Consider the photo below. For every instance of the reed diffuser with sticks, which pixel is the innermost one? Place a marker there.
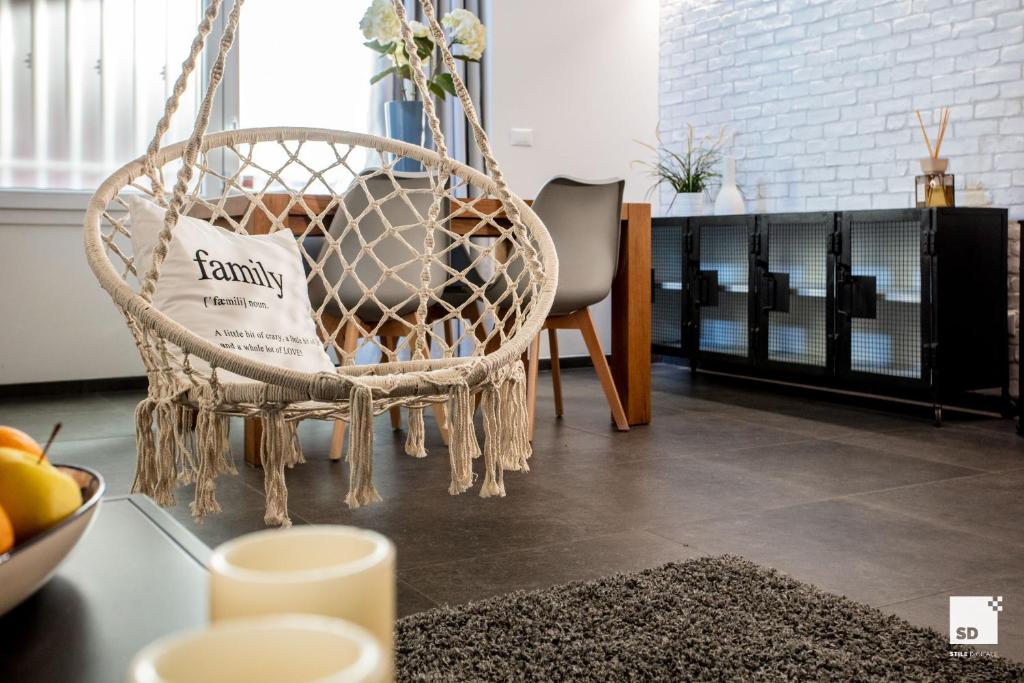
(935, 187)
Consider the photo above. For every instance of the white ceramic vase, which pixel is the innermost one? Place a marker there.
(687, 204)
(729, 201)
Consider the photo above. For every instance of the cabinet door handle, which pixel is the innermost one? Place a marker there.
(707, 288)
(776, 292)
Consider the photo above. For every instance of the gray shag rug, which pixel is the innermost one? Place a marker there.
(713, 618)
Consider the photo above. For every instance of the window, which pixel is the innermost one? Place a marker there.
(303, 63)
(82, 84)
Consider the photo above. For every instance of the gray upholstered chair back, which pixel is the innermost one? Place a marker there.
(584, 219)
(399, 254)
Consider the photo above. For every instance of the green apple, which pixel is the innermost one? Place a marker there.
(33, 493)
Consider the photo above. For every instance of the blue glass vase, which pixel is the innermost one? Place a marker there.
(403, 121)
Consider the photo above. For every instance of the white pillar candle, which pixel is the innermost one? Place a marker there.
(295, 648)
(335, 571)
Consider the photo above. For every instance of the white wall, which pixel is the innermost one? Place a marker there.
(55, 322)
(583, 74)
(821, 94)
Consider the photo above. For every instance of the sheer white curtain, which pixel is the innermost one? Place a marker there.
(453, 122)
(82, 83)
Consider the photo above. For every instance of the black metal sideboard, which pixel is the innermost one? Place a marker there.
(906, 302)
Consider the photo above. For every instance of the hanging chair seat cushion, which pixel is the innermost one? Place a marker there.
(244, 293)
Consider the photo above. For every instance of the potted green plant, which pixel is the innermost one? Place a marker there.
(690, 173)
(403, 117)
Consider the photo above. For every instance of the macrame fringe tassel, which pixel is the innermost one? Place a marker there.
(226, 460)
(209, 463)
(276, 447)
(145, 446)
(166, 452)
(515, 422)
(494, 475)
(360, 450)
(462, 443)
(414, 441)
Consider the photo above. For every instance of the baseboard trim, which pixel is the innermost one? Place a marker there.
(80, 387)
(75, 387)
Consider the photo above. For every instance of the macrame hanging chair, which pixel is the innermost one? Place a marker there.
(507, 284)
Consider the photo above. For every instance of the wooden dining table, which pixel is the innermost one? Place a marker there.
(631, 289)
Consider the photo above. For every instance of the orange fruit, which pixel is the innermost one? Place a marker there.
(15, 438)
(6, 532)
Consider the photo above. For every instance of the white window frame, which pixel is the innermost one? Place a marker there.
(39, 206)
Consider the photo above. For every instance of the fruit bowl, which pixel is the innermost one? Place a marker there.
(30, 564)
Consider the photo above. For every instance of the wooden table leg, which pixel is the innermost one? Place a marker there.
(253, 436)
(260, 224)
(631, 315)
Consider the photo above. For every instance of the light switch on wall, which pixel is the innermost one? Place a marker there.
(521, 137)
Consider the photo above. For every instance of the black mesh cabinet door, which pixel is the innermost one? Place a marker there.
(720, 287)
(882, 283)
(793, 271)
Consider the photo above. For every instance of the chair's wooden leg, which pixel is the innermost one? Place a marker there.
(449, 334)
(337, 439)
(556, 371)
(604, 373)
(531, 383)
(351, 341)
(441, 415)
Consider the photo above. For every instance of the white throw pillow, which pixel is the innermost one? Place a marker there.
(245, 293)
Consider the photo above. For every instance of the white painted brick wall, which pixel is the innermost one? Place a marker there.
(821, 96)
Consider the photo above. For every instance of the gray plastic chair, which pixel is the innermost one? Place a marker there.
(398, 292)
(584, 219)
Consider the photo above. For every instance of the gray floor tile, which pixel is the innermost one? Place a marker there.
(832, 468)
(871, 555)
(975, 448)
(667, 490)
(989, 505)
(433, 526)
(533, 568)
(411, 601)
(242, 512)
(76, 423)
(684, 432)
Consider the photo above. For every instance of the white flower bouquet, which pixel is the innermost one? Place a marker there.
(467, 39)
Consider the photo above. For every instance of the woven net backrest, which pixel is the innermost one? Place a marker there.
(361, 234)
